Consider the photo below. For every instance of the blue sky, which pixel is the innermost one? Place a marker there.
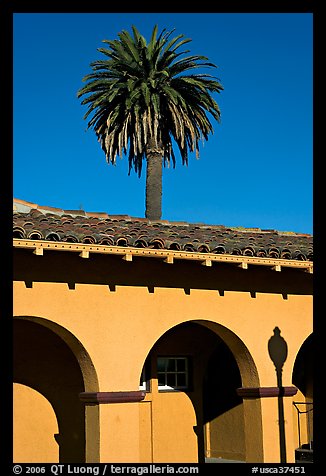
(254, 171)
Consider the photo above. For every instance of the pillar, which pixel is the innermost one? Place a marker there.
(275, 426)
(119, 424)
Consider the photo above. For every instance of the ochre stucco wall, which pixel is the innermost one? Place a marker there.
(34, 427)
(118, 325)
(134, 312)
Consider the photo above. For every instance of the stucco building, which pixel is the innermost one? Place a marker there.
(140, 341)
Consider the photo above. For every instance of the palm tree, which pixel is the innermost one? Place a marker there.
(142, 103)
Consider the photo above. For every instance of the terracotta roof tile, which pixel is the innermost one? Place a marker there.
(77, 226)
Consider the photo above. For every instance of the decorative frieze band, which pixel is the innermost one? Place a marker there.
(41, 247)
(112, 397)
(262, 392)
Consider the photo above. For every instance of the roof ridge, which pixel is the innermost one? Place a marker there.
(23, 206)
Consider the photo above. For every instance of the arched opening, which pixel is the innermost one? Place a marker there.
(191, 375)
(52, 362)
(303, 401)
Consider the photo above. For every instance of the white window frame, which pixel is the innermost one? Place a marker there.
(176, 372)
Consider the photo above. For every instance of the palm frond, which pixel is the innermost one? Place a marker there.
(148, 93)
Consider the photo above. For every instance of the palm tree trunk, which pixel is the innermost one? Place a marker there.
(153, 204)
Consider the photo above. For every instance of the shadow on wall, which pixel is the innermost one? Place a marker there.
(222, 407)
(278, 351)
(98, 270)
(45, 363)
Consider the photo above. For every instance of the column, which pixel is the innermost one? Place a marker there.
(269, 438)
(119, 424)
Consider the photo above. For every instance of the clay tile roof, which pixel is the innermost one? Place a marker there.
(47, 223)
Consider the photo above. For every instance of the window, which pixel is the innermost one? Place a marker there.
(172, 373)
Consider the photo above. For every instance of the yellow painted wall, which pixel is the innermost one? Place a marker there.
(120, 439)
(174, 438)
(34, 427)
(118, 325)
(146, 436)
(144, 317)
(227, 424)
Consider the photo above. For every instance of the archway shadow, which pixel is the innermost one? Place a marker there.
(46, 363)
(302, 378)
(278, 351)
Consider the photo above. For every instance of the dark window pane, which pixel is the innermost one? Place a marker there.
(170, 380)
(181, 380)
(171, 365)
(181, 365)
(161, 364)
(172, 372)
(161, 379)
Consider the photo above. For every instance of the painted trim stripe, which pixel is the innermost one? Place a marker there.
(262, 392)
(112, 397)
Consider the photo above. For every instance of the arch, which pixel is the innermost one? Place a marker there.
(302, 378)
(247, 366)
(244, 373)
(304, 350)
(76, 347)
(51, 360)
